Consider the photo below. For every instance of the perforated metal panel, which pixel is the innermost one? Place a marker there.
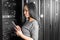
(8, 15)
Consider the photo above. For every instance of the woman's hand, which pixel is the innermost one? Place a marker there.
(19, 33)
(18, 30)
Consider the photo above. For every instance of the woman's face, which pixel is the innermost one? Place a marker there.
(26, 11)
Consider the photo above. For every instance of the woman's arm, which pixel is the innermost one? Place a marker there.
(20, 34)
(35, 30)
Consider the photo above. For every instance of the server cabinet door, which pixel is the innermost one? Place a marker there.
(54, 19)
(45, 18)
(8, 15)
(51, 22)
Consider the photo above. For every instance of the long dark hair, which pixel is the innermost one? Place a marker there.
(32, 9)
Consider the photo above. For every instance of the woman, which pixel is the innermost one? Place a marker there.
(30, 29)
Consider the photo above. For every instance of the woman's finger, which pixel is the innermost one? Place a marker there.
(17, 27)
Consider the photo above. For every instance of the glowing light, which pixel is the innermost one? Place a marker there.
(8, 16)
(56, 0)
(7, 2)
(41, 16)
(56, 14)
(26, 1)
(34, 2)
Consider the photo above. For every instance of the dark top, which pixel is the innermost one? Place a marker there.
(31, 29)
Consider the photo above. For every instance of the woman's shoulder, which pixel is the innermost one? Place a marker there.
(34, 21)
(35, 24)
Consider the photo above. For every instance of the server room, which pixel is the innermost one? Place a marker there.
(30, 20)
